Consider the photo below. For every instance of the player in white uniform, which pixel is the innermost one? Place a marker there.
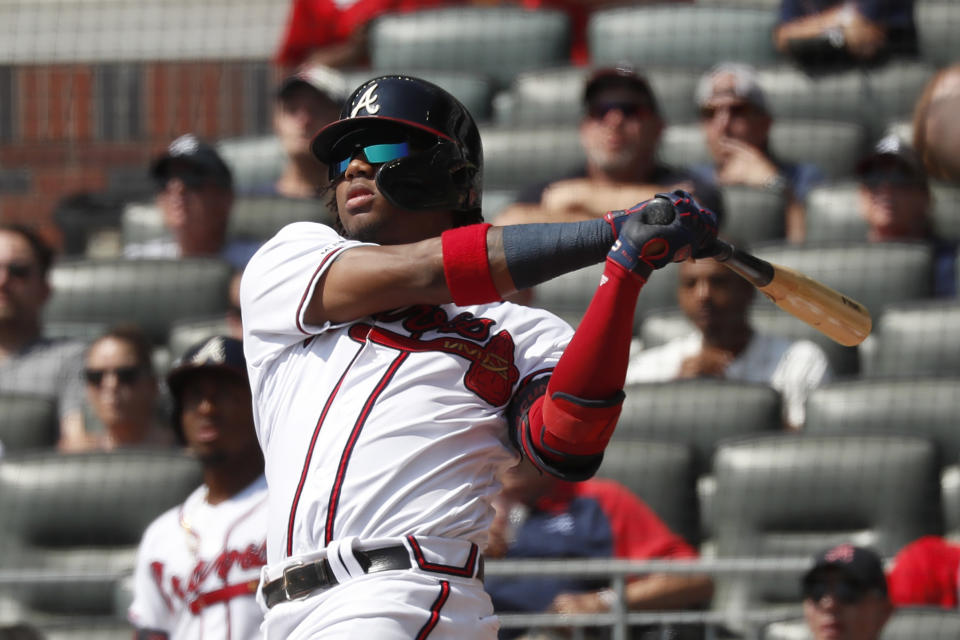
(391, 385)
(199, 563)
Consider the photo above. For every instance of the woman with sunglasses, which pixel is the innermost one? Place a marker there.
(122, 391)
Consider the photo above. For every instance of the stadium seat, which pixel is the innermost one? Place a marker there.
(151, 293)
(833, 214)
(906, 623)
(927, 407)
(499, 41)
(753, 215)
(789, 496)
(892, 91)
(255, 161)
(946, 204)
(81, 516)
(556, 95)
(495, 201)
(914, 339)
(663, 475)
(875, 274)
(186, 333)
(28, 422)
(516, 157)
(141, 222)
(657, 328)
(794, 95)
(937, 31)
(648, 33)
(474, 90)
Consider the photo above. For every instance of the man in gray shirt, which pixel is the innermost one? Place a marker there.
(30, 363)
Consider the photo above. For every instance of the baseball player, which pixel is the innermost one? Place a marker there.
(391, 384)
(199, 563)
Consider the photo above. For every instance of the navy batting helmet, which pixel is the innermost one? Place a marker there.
(443, 166)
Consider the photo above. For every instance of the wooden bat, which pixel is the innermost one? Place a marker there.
(833, 314)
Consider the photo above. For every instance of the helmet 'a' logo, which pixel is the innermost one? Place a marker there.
(367, 100)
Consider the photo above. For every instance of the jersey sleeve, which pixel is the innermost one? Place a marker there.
(925, 572)
(278, 283)
(151, 607)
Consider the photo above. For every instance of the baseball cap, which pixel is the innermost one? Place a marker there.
(622, 75)
(219, 353)
(893, 147)
(196, 154)
(743, 84)
(859, 564)
(328, 82)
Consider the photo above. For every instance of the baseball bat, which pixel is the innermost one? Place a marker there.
(839, 317)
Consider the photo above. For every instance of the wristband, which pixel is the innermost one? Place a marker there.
(466, 265)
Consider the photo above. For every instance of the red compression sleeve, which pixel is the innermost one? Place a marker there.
(466, 265)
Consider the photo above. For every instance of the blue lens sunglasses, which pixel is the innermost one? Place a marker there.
(374, 154)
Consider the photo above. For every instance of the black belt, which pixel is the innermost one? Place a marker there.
(300, 580)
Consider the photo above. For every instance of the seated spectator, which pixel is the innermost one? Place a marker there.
(122, 390)
(540, 516)
(234, 320)
(725, 345)
(926, 572)
(827, 34)
(620, 134)
(845, 595)
(195, 196)
(29, 362)
(736, 123)
(305, 102)
(895, 201)
(936, 128)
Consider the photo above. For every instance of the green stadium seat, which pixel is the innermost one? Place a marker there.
(474, 90)
(151, 293)
(498, 41)
(915, 338)
(649, 34)
(28, 422)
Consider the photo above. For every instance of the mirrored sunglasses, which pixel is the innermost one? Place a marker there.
(373, 154)
(599, 110)
(124, 375)
(845, 591)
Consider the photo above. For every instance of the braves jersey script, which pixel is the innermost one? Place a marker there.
(198, 567)
(389, 426)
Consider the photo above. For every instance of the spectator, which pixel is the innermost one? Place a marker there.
(725, 345)
(30, 362)
(936, 129)
(620, 134)
(926, 572)
(198, 565)
(824, 34)
(234, 320)
(736, 123)
(195, 195)
(122, 390)
(305, 103)
(845, 595)
(896, 203)
(541, 516)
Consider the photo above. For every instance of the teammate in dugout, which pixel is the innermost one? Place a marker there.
(391, 384)
(198, 565)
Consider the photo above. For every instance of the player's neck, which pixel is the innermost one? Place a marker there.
(230, 478)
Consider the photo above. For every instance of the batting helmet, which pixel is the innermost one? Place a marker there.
(219, 353)
(444, 169)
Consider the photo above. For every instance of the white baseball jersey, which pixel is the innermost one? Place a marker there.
(198, 567)
(389, 426)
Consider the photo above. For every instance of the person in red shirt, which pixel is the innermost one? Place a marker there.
(925, 572)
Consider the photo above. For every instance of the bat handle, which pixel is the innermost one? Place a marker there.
(759, 272)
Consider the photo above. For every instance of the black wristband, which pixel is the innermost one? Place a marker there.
(536, 253)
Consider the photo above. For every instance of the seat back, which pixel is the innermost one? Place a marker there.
(255, 161)
(515, 157)
(753, 215)
(937, 31)
(914, 338)
(28, 422)
(499, 41)
(833, 214)
(906, 623)
(259, 218)
(663, 475)
(794, 95)
(151, 293)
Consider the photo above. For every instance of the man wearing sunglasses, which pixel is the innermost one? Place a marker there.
(895, 201)
(620, 134)
(845, 595)
(391, 384)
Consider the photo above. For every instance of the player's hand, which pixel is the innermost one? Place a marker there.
(651, 235)
(588, 602)
(702, 222)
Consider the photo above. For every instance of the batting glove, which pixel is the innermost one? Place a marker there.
(702, 222)
(651, 236)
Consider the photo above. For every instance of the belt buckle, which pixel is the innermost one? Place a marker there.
(294, 594)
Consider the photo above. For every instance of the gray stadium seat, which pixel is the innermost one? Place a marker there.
(496, 200)
(663, 475)
(937, 24)
(256, 161)
(875, 274)
(946, 205)
(927, 407)
(186, 333)
(649, 34)
(141, 222)
(657, 328)
(792, 495)
(892, 91)
(914, 339)
(906, 623)
(474, 90)
(28, 422)
(794, 95)
(833, 214)
(81, 516)
(515, 157)
(753, 215)
(499, 41)
(151, 293)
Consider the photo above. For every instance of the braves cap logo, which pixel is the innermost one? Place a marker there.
(185, 145)
(841, 553)
(212, 352)
(367, 100)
